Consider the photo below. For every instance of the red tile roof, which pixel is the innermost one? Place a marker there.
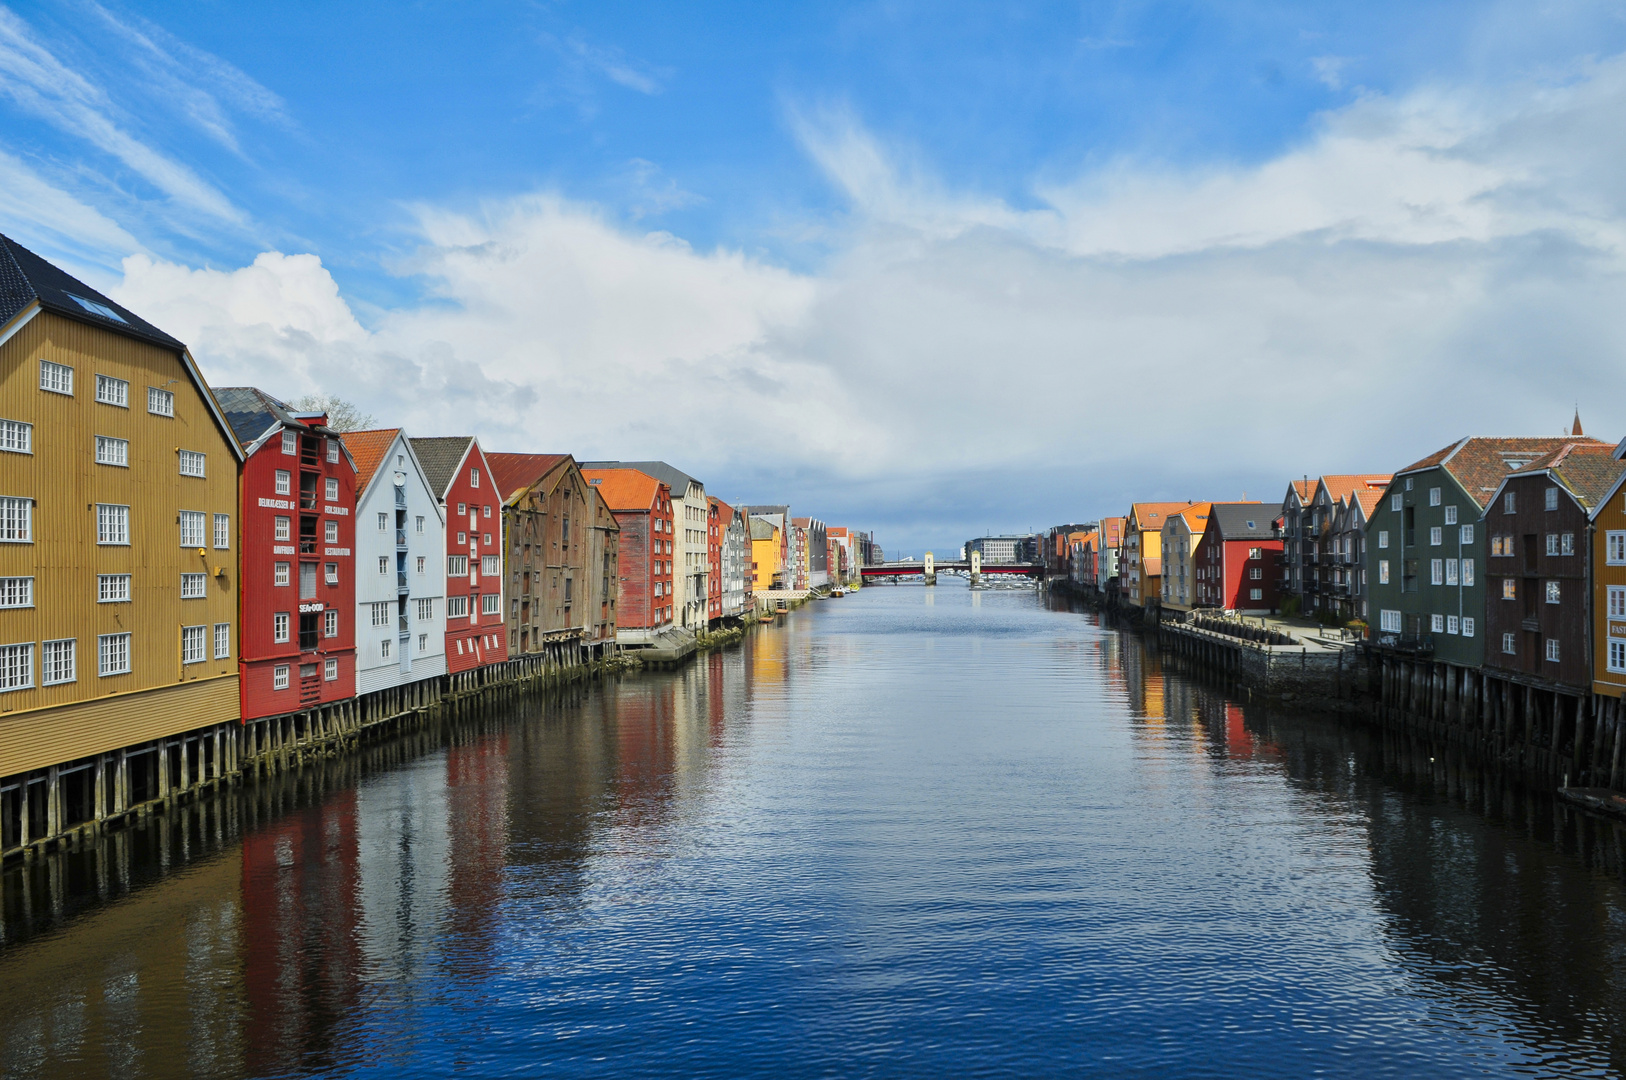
(624, 489)
(1151, 515)
(367, 450)
(1587, 469)
(514, 473)
(1342, 485)
(1479, 464)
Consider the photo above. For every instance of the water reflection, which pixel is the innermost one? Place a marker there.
(913, 830)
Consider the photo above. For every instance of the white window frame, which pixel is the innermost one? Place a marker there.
(457, 607)
(109, 647)
(1466, 535)
(222, 641)
(284, 482)
(1550, 499)
(194, 586)
(281, 575)
(1566, 543)
(112, 525)
(1389, 621)
(16, 592)
(1433, 496)
(111, 451)
(1551, 650)
(56, 378)
(331, 490)
(112, 391)
(384, 649)
(279, 677)
(1510, 644)
(192, 463)
(491, 604)
(160, 402)
(1615, 548)
(330, 531)
(64, 672)
(1509, 503)
(1453, 625)
(279, 627)
(112, 588)
(330, 622)
(192, 525)
(282, 527)
(330, 667)
(1436, 571)
(16, 437)
(1615, 658)
(1553, 591)
(1383, 538)
(17, 666)
(1451, 515)
(1436, 536)
(1451, 567)
(194, 644)
(1436, 624)
(330, 573)
(332, 451)
(1467, 626)
(222, 532)
(1467, 572)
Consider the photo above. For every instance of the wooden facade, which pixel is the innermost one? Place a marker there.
(460, 473)
(1607, 555)
(120, 593)
(646, 550)
(550, 518)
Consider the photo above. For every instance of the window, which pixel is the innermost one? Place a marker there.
(193, 586)
(112, 451)
(1467, 626)
(113, 654)
(1510, 644)
(384, 648)
(457, 566)
(112, 588)
(284, 481)
(333, 450)
(489, 604)
(1451, 567)
(332, 489)
(222, 531)
(1434, 496)
(191, 463)
(279, 677)
(1436, 571)
(1554, 593)
(1509, 589)
(1389, 621)
(1383, 538)
(383, 522)
(383, 564)
(1615, 548)
(279, 626)
(192, 525)
(97, 308)
(1617, 602)
(222, 641)
(160, 402)
(112, 524)
(1509, 504)
(487, 511)
(330, 531)
(1467, 534)
(1552, 543)
(1551, 504)
(462, 538)
(282, 528)
(1256, 553)
(59, 662)
(1452, 624)
(1566, 544)
(1436, 536)
(1552, 643)
(330, 623)
(474, 479)
(111, 391)
(330, 670)
(425, 609)
(331, 573)
(1467, 571)
(17, 666)
(57, 378)
(1256, 573)
(1394, 501)
(422, 562)
(423, 642)
(16, 436)
(1256, 594)
(192, 644)
(307, 581)
(290, 443)
(380, 613)
(489, 565)
(1436, 624)
(16, 592)
(457, 607)
(420, 524)
(1450, 515)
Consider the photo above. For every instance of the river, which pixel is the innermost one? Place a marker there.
(907, 833)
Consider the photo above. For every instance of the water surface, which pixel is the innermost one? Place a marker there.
(911, 832)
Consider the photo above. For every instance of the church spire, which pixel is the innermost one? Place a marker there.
(1576, 429)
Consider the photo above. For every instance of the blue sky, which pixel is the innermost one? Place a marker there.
(924, 267)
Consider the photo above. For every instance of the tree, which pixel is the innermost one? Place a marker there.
(342, 415)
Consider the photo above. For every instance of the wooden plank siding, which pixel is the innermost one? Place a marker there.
(62, 477)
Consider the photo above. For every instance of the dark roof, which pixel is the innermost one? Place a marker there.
(1588, 469)
(1479, 464)
(25, 278)
(1233, 520)
(440, 456)
(676, 481)
(252, 412)
(514, 473)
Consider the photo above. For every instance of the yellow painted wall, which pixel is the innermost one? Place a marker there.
(765, 557)
(1610, 518)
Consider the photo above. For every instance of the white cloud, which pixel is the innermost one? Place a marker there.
(1420, 268)
(39, 214)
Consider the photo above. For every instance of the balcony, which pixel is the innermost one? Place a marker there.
(401, 581)
(400, 539)
(1418, 644)
(405, 629)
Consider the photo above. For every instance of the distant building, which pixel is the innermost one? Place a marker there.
(646, 550)
(1235, 558)
(691, 557)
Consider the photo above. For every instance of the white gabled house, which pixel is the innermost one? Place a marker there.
(400, 564)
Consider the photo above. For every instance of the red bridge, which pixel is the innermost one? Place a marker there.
(900, 570)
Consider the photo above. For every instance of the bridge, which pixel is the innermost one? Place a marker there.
(975, 568)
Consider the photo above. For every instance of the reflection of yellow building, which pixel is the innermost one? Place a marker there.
(766, 573)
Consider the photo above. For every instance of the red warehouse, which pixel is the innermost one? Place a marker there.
(715, 525)
(297, 644)
(460, 476)
(1235, 561)
(642, 506)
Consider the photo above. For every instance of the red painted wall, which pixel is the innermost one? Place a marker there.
(645, 560)
(308, 470)
(1227, 579)
(714, 560)
(474, 531)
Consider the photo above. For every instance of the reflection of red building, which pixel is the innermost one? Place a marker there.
(477, 806)
(301, 939)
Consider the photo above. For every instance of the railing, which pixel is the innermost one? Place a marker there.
(400, 498)
(308, 640)
(405, 629)
(307, 545)
(1412, 643)
(401, 580)
(400, 538)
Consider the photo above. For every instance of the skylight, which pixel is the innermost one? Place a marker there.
(98, 309)
(1251, 525)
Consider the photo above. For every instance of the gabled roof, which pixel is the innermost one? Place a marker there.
(26, 278)
(515, 474)
(1112, 531)
(625, 490)
(1244, 521)
(440, 456)
(1479, 464)
(1304, 489)
(762, 530)
(252, 414)
(676, 481)
(1150, 515)
(1343, 485)
(368, 449)
(1194, 516)
(1587, 469)
(1366, 499)
(1151, 565)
